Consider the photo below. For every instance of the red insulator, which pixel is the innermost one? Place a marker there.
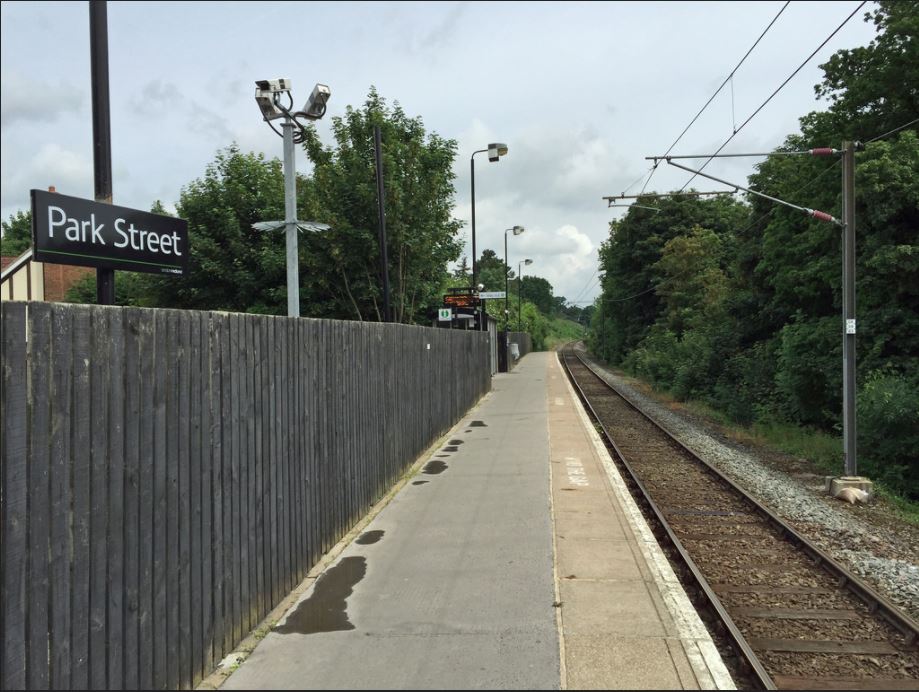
(821, 215)
(823, 151)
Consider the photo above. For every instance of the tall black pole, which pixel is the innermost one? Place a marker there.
(848, 307)
(102, 130)
(472, 177)
(381, 198)
(505, 281)
(519, 304)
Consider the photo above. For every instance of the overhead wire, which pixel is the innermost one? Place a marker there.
(777, 90)
(727, 79)
(893, 131)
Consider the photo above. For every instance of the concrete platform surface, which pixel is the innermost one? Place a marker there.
(513, 558)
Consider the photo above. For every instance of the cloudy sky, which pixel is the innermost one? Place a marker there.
(580, 92)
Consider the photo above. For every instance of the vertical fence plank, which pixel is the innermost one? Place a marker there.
(133, 418)
(196, 557)
(146, 337)
(210, 436)
(225, 488)
(183, 595)
(61, 409)
(261, 441)
(246, 475)
(39, 510)
(115, 583)
(14, 494)
(98, 493)
(233, 516)
(160, 455)
(275, 461)
(283, 457)
(174, 366)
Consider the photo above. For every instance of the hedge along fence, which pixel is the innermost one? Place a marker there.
(169, 476)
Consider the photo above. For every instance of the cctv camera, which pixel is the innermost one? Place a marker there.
(274, 86)
(315, 104)
(266, 95)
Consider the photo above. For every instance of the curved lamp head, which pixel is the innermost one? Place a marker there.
(528, 261)
(518, 230)
(496, 151)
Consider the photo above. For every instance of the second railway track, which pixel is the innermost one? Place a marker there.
(797, 618)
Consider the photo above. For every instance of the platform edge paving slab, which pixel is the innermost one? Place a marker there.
(626, 622)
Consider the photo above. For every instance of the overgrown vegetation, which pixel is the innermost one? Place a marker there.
(738, 304)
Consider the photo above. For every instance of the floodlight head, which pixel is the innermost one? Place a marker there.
(528, 261)
(518, 230)
(266, 95)
(495, 151)
(315, 104)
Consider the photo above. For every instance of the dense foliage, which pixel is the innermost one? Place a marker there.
(739, 304)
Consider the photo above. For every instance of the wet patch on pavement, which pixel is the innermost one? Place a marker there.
(452, 448)
(434, 467)
(326, 608)
(420, 482)
(477, 424)
(455, 442)
(369, 537)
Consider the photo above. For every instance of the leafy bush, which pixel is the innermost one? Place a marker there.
(888, 430)
(809, 371)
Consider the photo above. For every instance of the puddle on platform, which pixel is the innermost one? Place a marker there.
(434, 467)
(455, 442)
(326, 608)
(420, 482)
(443, 456)
(451, 448)
(369, 537)
(477, 424)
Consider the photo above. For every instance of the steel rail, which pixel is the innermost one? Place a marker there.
(845, 579)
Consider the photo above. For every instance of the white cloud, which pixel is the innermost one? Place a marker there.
(23, 99)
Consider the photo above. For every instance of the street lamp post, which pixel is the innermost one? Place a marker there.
(517, 231)
(495, 151)
(519, 290)
(268, 96)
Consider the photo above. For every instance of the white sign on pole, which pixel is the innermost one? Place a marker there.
(445, 315)
(489, 295)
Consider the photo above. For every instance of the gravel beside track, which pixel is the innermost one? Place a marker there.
(883, 552)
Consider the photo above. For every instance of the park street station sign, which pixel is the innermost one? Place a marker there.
(70, 230)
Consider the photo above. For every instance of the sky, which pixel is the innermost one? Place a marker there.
(580, 93)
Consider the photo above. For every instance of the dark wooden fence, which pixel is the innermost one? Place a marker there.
(524, 345)
(169, 476)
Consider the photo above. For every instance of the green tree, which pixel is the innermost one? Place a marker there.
(341, 265)
(875, 88)
(17, 233)
(538, 291)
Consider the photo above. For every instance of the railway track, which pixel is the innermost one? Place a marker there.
(796, 618)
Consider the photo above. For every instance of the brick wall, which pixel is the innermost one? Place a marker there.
(60, 277)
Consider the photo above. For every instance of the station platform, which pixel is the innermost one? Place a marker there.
(511, 557)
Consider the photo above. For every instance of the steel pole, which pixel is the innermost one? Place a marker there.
(102, 130)
(848, 309)
(290, 221)
(505, 282)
